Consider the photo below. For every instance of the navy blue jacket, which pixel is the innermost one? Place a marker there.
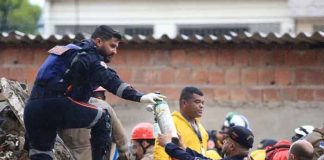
(175, 151)
(83, 68)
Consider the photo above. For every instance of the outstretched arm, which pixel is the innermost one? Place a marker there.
(175, 151)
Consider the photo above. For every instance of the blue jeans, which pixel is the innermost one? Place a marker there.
(44, 116)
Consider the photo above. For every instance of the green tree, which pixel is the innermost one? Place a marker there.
(18, 15)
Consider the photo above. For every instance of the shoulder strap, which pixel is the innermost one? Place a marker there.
(59, 50)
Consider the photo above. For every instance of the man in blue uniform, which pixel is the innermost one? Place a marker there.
(62, 88)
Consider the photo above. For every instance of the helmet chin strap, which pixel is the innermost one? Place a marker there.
(144, 148)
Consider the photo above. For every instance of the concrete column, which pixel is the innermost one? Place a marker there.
(48, 28)
(287, 26)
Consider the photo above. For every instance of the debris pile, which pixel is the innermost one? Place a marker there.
(11, 136)
(13, 96)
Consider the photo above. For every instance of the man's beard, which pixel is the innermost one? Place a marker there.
(101, 51)
(224, 151)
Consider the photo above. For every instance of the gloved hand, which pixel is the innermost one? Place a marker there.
(151, 97)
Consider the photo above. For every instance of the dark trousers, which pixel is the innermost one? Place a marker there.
(44, 116)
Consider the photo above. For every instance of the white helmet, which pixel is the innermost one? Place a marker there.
(304, 130)
(234, 119)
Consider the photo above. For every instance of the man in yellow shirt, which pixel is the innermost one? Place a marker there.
(192, 132)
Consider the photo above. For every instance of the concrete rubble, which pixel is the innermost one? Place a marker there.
(13, 96)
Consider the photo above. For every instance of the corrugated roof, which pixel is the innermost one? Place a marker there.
(245, 37)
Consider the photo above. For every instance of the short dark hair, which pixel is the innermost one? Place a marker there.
(105, 32)
(187, 92)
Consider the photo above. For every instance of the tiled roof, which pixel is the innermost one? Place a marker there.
(315, 38)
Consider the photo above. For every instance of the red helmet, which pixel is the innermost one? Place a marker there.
(142, 131)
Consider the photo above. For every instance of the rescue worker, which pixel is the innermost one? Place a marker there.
(78, 139)
(231, 119)
(62, 88)
(301, 150)
(236, 146)
(279, 151)
(142, 142)
(237, 142)
(316, 138)
(260, 153)
(187, 123)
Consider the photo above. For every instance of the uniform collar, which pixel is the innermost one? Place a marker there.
(178, 114)
(187, 118)
(90, 45)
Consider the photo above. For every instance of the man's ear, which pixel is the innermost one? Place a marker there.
(183, 102)
(98, 42)
(232, 146)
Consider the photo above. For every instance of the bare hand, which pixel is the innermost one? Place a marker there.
(164, 139)
(181, 144)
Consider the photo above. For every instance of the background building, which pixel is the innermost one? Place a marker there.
(169, 17)
(308, 15)
(277, 82)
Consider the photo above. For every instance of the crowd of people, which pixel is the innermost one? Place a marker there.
(234, 140)
(68, 99)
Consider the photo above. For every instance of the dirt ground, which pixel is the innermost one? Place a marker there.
(267, 120)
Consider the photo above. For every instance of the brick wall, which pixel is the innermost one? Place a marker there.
(234, 73)
(277, 87)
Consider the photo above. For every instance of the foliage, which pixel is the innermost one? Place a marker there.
(18, 15)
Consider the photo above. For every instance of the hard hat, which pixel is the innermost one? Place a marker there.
(304, 130)
(142, 131)
(234, 119)
(100, 89)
